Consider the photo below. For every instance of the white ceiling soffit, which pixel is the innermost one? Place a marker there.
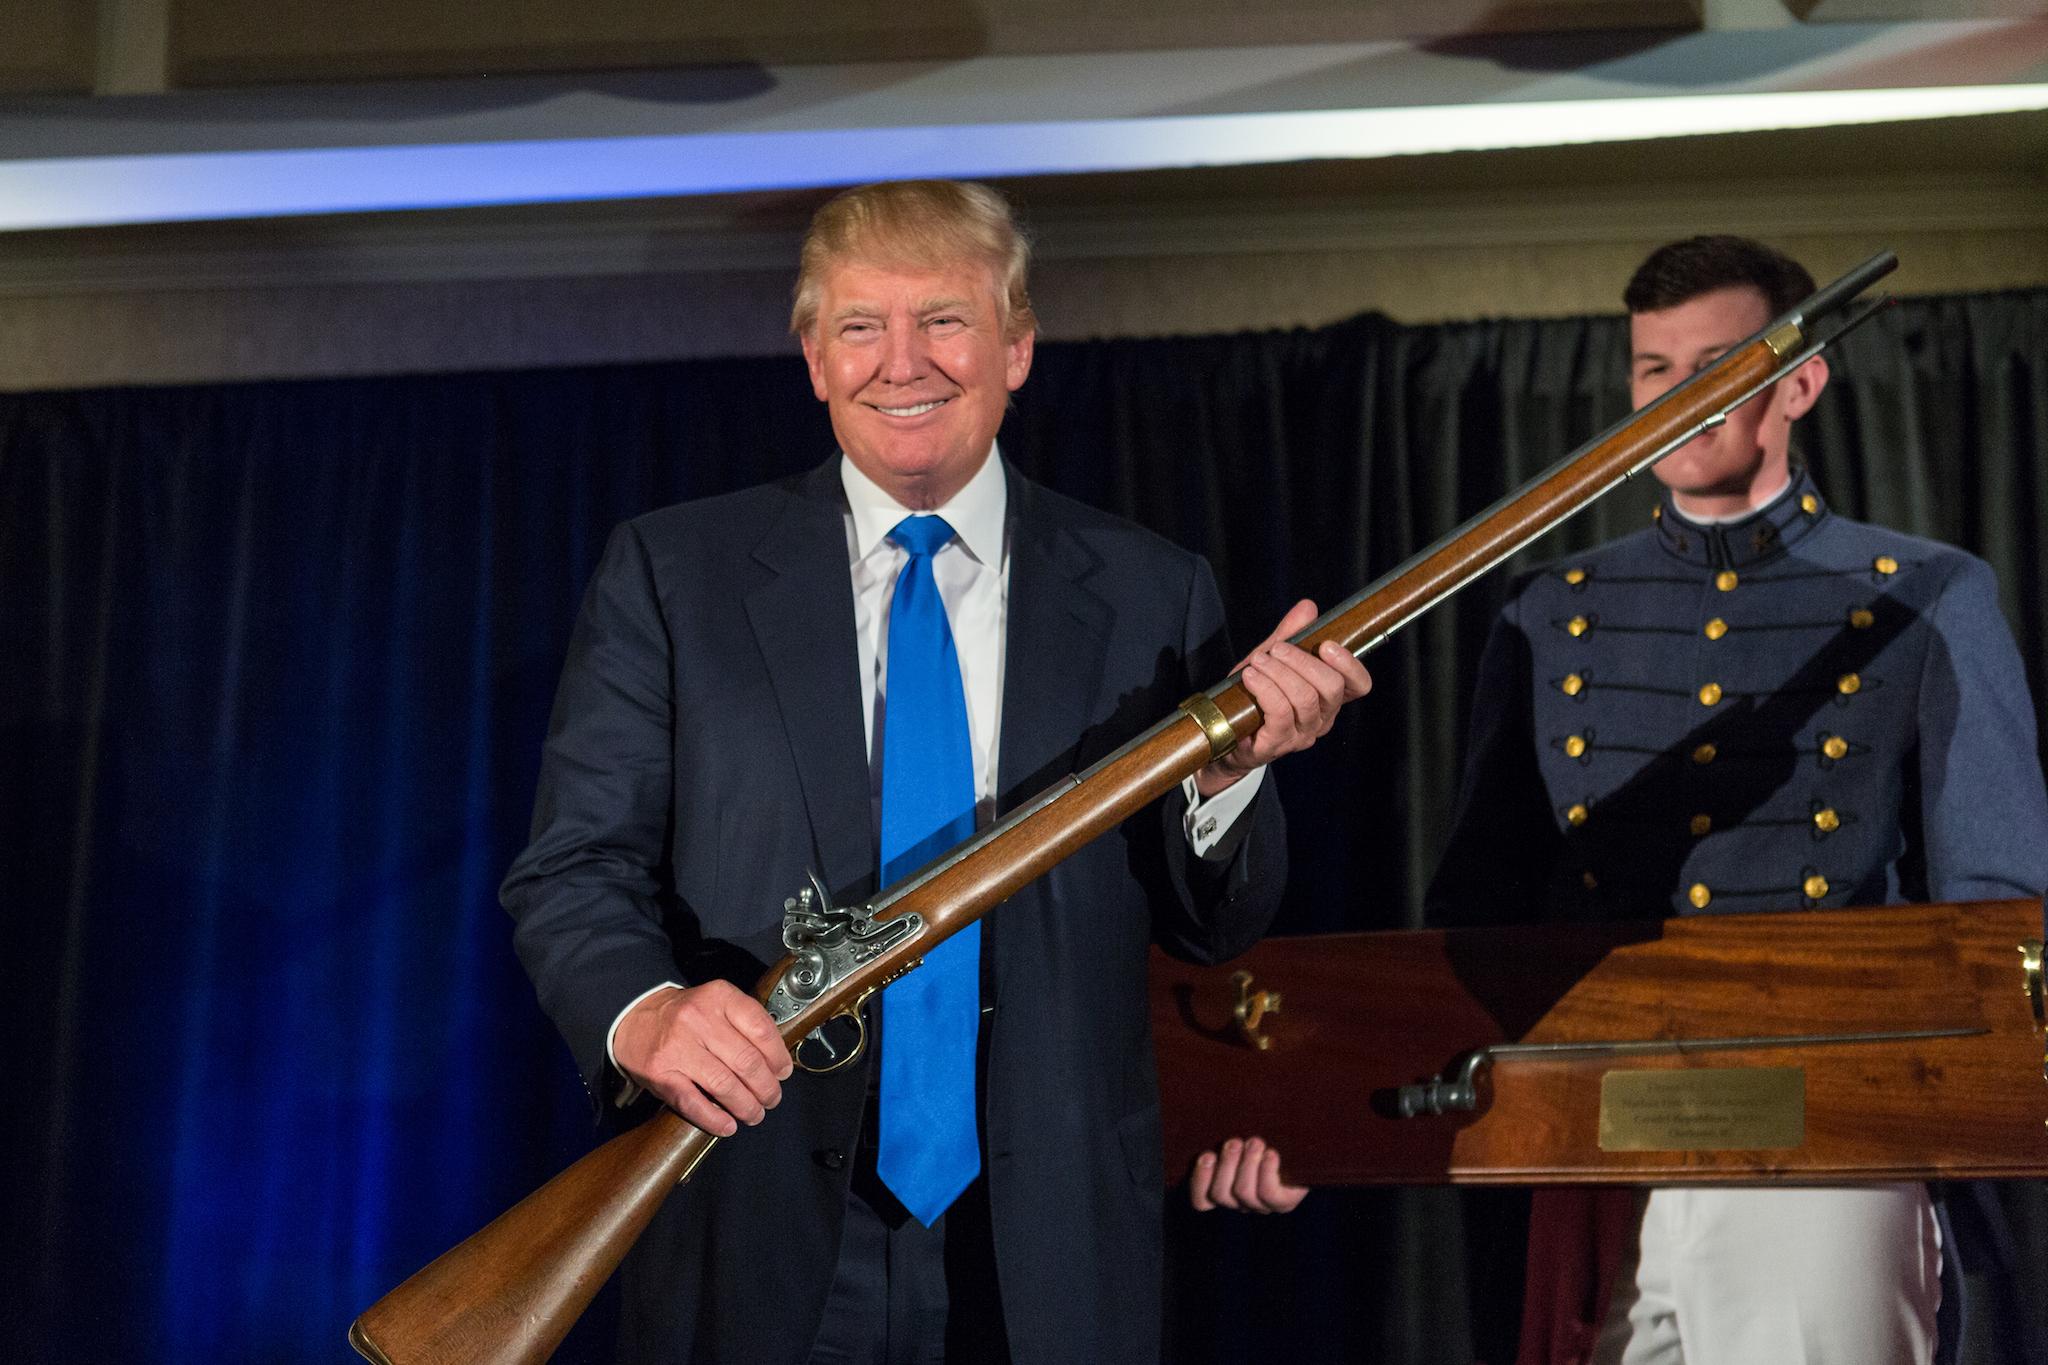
(286, 151)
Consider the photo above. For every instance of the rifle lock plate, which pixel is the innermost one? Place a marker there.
(827, 945)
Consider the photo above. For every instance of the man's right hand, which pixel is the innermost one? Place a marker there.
(710, 1052)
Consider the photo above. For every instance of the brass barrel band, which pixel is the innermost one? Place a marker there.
(1204, 711)
(1784, 340)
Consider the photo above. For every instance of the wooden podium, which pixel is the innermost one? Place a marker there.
(1882, 1044)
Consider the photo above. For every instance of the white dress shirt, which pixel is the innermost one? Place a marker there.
(972, 571)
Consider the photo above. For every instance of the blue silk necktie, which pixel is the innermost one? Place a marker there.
(928, 1153)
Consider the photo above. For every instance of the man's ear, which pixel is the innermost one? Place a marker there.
(1017, 360)
(1802, 387)
(814, 362)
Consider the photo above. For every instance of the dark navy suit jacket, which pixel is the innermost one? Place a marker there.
(707, 749)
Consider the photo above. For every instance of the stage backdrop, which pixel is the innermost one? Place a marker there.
(278, 658)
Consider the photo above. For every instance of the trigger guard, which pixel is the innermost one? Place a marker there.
(820, 1054)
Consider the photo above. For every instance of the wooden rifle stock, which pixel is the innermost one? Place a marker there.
(511, 1292)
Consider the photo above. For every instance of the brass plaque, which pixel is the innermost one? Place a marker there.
(1720, 1109)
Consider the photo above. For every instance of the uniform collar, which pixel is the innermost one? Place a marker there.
(1763, 535)
(976, 512)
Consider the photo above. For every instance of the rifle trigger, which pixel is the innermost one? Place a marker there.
(833, 1041)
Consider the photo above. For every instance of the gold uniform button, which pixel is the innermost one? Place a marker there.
(1572, 685)
(1826, 821)
(1704, 754)
(1885, 564)
(1809, 504)
(1848, 684)
(1726, 580)
(1715, 629)
(1577, 814)
(1702, 824)
(1835, 747)
(1815, 887)
(1699, 895)
(1575, 746)
(1592, 882)
(1657, 513)
(1578, 625)
(1575, 576)
(1862, 618)
(1710, 694)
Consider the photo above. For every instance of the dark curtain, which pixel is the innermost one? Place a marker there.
(277, 662)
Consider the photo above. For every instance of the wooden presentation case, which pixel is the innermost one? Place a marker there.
(1909, 1045)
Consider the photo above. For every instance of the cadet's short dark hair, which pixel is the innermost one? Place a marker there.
(1685, 270)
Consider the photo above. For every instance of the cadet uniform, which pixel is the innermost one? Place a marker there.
(1784, 711)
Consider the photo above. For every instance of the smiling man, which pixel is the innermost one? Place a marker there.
(850, 670)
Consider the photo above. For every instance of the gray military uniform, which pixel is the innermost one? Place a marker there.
(1789, 711)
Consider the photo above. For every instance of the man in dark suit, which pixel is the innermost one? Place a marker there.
(725, 721)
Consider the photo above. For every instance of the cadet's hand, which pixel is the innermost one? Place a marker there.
(1242, 1175)
(710, 1052)
(1298, 695)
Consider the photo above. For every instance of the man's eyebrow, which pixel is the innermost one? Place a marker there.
(856, 310)
(1714, 350)
(943, 305)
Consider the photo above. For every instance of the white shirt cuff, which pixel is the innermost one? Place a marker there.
(629, 1089)
(1207, 821)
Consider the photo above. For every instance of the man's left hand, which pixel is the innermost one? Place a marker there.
(1298, 694)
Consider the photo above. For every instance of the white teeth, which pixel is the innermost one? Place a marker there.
(914, 411)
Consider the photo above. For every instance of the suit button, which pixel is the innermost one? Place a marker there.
(1848, 684)
(1885, 564)
(1702, 825)
(1716, 628)
(1699, 895)
(1710, 694)
(1826, 821)
(1577, 815)
(831, 1158)
(1578, 625)
(1572, 685)
(1704, 754)
(1816, 887)
(1574, 746)
(1810, 505)
(1862, 618)
(1726, 580)
(1575, 576)
(1834, 746)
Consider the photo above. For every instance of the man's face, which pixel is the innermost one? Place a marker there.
(915, 371)
(1724, 470)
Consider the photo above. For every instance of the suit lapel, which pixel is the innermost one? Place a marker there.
(803, 621)
(1057, 633)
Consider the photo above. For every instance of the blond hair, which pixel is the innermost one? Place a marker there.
(918, 224)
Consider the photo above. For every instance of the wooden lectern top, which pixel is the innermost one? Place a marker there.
(1854, 1045)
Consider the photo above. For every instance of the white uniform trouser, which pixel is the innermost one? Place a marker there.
(1849, 1275)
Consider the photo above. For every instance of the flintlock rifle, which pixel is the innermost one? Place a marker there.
(512, 1291)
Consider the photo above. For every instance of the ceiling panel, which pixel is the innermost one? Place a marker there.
(233, 42)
